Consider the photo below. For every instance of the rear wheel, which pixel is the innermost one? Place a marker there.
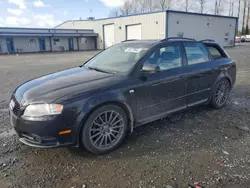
(105, 129)
(221, 93)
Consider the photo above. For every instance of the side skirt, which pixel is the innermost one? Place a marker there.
(165, 114)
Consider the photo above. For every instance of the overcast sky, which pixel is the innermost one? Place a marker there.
(49, 13)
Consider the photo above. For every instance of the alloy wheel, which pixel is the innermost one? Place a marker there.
(222, 92)
(106, 129)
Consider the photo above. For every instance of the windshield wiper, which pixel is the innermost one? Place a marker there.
(99, 70)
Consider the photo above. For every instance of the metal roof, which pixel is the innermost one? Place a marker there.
(51, 29)
(145, 13)
(13, 31)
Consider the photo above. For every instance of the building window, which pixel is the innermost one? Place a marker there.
(226, 36)
(56, 41)
(32, 42)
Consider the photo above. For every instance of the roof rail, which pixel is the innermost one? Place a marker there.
(207, 40)
(178, 38)
(129, 40)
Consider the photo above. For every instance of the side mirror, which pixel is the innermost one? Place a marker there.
(150, 68)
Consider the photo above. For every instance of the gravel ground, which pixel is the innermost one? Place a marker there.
(200, 145)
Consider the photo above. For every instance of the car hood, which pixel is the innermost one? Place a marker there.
(49, 88)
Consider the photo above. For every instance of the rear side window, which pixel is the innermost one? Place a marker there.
(216, 52)
(196, 53)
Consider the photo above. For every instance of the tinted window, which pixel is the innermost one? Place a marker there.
(196, 53)
(168, 57)
(216, 54)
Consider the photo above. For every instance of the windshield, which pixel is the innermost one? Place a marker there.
(119, 58)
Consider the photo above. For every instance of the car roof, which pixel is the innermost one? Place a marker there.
(142, 42)
(149, 43)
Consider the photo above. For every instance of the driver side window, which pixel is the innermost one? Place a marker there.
(167, 57)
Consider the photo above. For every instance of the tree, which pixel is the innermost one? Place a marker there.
(126, 8)
(247, 30)
(186, 5)
(164, 4)
(135, 6)
(114, 13)
(149, 4)
(219, 7)
(244, 16)
(142, 5)
(248, 15)
(201, 4)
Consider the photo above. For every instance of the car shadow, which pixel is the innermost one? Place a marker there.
(198, 127)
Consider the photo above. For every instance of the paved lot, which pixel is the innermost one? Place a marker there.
(201, 144)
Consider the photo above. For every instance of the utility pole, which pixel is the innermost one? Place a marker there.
(215, 8)
(244, 16)
(230, 8)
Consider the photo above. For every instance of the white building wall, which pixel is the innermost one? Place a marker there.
(22, 37)
(47, 44)
(75, 43)
(3, 46)
(202, 27)
(22, 44)
(62, 45)
(153, 26)
(87, 43)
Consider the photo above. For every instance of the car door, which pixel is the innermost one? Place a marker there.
(164, 91)
(202, 73)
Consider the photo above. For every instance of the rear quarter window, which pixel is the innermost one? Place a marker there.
(216, 52)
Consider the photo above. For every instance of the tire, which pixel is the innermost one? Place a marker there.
(221, 93)
(105, 129)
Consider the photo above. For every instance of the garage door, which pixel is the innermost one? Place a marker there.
(134, 32)
(109, 35)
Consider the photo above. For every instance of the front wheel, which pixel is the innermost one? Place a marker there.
(221, 93)
(105, 129)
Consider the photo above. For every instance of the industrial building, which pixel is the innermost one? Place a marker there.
(18, 40)
(159, 25)
(77, 35)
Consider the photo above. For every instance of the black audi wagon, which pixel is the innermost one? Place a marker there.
(125, 86)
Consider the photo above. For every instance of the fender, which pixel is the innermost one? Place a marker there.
(94, 102)
(223, 74)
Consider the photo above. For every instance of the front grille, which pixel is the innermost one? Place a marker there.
(17, 109)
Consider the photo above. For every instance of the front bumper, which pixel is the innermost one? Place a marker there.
(44, 134)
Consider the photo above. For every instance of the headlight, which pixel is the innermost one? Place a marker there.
(39, 110)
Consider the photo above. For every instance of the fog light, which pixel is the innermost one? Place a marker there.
(38, 139)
